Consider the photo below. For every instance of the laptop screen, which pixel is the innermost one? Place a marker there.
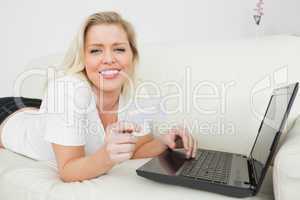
(271, 126)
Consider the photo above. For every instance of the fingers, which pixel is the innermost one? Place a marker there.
(120, 140)
(123, 138)
(170, 140)
(120, 152)
(195, 148)
(121, 148)
(191, 145)
(189, 142)
(185, 137)
(125, 127)
(121, 157)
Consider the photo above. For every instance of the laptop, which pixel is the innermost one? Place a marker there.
(226, 173)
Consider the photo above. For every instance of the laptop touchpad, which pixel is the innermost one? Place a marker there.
(168, 163)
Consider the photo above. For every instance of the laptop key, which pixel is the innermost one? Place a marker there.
(210, 166)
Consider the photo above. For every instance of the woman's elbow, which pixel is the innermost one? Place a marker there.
(67, 178)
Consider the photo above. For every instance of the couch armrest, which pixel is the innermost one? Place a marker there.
(286, 169)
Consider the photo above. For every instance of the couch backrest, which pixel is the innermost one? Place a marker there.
(234, 81)
(221, 89)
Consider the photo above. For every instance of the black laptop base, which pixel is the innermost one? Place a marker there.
(170, 174)
(200, 185)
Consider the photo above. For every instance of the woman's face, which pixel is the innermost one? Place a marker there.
(108, 57)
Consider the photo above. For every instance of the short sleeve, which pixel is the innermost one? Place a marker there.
(64, 109)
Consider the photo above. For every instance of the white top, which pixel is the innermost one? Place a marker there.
(68, 116)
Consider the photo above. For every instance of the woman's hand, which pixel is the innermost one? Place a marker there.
(179, 137)
(120, 143)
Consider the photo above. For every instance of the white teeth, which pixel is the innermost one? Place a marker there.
(110, 72)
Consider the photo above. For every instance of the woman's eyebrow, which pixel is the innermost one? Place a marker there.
(120, 43)
(114, 44)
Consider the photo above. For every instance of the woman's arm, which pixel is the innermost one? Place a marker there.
(147, 146)
(73, 165)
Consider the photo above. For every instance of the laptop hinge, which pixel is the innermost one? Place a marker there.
(252, 177)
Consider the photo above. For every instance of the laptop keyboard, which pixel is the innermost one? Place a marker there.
(209, 165)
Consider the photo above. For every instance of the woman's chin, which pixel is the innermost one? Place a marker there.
(111, 88)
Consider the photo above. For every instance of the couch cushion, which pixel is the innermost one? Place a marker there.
(23, 178)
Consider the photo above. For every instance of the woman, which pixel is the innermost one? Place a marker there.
(78, 123)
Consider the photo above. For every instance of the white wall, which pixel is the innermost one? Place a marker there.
(34, 30)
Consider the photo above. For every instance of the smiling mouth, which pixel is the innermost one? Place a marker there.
(110, 73)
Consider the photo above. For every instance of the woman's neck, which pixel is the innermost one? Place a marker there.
(106, 101)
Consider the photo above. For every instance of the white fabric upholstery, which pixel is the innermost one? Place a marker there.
(22, 178)
(249, 65)
(286, 175)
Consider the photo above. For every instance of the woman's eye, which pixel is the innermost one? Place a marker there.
(94, 51)
(120, 49)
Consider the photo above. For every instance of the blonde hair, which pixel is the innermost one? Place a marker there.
(73, 62)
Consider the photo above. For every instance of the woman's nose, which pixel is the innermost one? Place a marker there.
(108, 58)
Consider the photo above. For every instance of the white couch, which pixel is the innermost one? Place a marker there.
(234, 79)
(286, 173)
